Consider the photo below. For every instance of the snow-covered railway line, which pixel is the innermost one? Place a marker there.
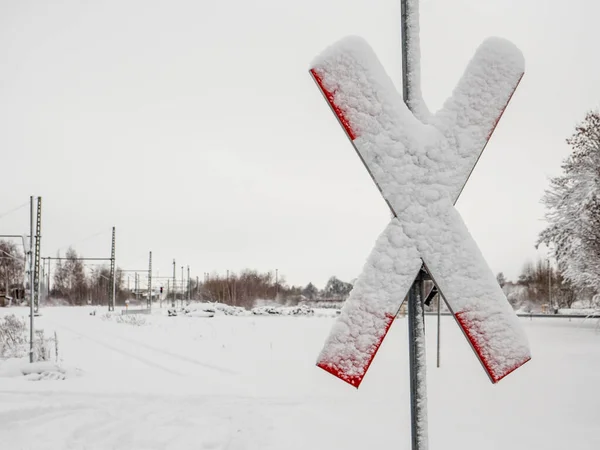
(149, 355)
(119, 349)
(168, 353)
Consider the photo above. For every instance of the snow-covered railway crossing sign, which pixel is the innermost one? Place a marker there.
(420, 165)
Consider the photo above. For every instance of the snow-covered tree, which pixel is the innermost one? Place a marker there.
(337, 289)
(573, 202)
(310, 291)
(501, 279)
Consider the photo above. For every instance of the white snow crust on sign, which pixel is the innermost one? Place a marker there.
(372, 305)
(421, 169)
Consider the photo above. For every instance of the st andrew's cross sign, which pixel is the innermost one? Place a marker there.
(421, 166)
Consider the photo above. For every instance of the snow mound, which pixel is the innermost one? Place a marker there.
(228, 310)
(283, 311)
(42, 370)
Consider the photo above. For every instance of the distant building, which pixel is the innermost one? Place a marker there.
(16, 293)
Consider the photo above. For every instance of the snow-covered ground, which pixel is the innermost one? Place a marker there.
(250, 382)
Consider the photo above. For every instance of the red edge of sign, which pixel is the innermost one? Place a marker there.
(469, 333)
(337, 111)
(355, 380)
(503, 109)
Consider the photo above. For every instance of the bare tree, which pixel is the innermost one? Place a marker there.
(69, 279)
(12, 269)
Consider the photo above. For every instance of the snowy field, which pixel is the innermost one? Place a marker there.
(251, 383)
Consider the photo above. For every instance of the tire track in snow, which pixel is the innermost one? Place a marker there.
(204, 365)
(181, 357)
(123, 352)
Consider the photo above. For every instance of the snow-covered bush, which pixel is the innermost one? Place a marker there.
(266, 310)
(13, 337)
(229, 310)
(212, 308)
(299, 311)
(14, 341)
(45, 348)
(131, 319)
(283, 311)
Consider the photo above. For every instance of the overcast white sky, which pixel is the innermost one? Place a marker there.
(195, 128)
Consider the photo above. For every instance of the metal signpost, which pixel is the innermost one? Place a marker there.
(387, 132)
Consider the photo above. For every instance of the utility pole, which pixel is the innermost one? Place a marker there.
(174, 289)
(37, 255)
(42, 281)
(182, 286)
(550, 285)
(31, 281)
(189, 287)
(48, 282)
(113, 275)
(149, 304)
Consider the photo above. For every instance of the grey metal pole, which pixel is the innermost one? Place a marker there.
(418, 387)
(227, 289)
(174, 297)
(416, 324)
(182, 286)
(49, 261)
(37, 256)
(550, 286)
(439, 328)
(113, 274)
(150, 282)
(188, 290)
(31, 280)
(42, 281)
